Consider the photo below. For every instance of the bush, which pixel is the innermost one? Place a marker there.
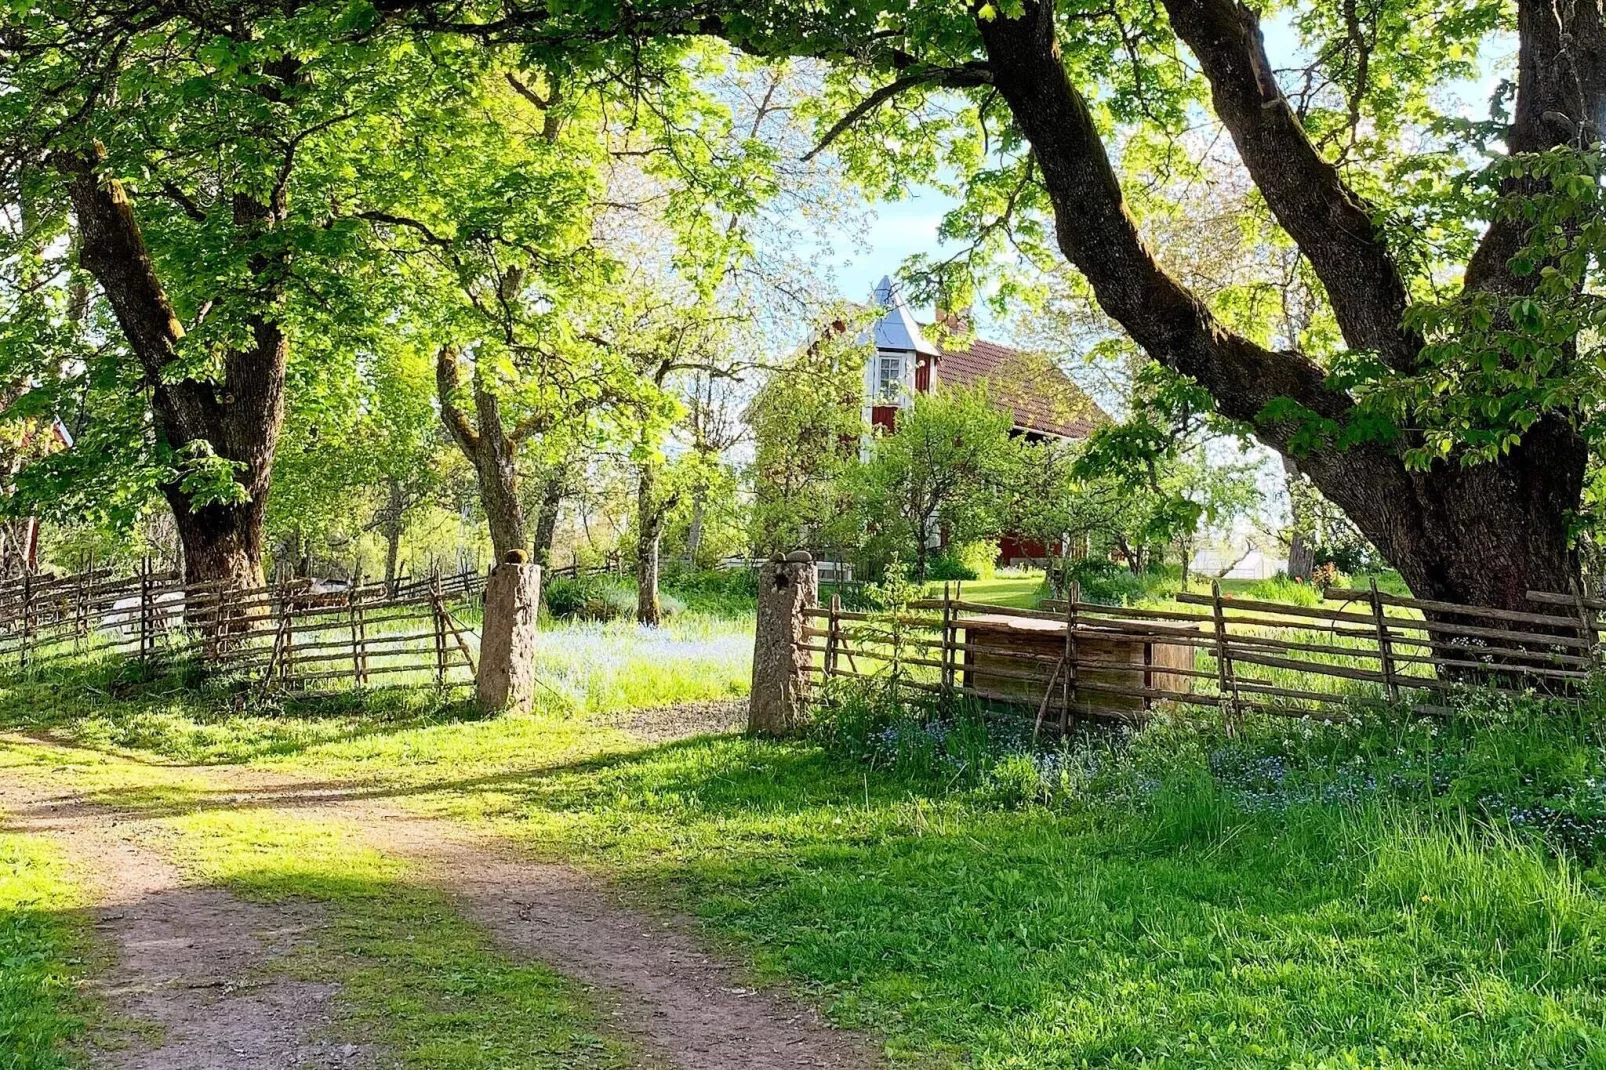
(717, 592)
(971, 561)
(1350, 557)
(564, 598)
(950, 567)
(600, 598)
(1105, 582)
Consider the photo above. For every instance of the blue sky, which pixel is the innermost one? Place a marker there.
(898, 230)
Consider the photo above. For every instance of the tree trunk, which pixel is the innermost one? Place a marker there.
(222, 543)
(694, 531)
(395, 507)
(1301, 557)
(237, 419)
(498, 483)
(1479, 535)
(546, 524)
(649, 535)
(486, 445)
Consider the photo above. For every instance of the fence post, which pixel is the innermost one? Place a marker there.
(440, 627)
(85, 582)
(288, 612)
(1068, 696)
(146, 640)
(1226, 682)
(833, 637)
(1385, 648)
(948, 631)
(1586, 621)
(27, 616)
(359, 631)
(787, 587)
(505, 679)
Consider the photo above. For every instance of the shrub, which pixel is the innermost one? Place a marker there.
(564, 598)
(1105, 582)
(949, 566)
(600, 598)
(717, 592)
(970, 561)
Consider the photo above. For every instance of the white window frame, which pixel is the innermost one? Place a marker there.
(889, 389)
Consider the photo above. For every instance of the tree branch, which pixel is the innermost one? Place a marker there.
(965, 76)
(411, 224)
(1561, 99)
(1332, 225)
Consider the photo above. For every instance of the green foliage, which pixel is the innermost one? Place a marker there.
(949, 467)
(1105, 582)
(730, 593)
(1497, 363)
(971, 561)
(807, 425)
(599, 598)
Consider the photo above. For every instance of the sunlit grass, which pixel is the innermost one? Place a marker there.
(41, 944)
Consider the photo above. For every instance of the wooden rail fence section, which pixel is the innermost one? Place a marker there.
(1074, 658)
(296, 634)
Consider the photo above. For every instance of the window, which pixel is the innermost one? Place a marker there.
(889, 378)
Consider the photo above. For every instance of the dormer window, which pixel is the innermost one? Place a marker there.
(889, 378)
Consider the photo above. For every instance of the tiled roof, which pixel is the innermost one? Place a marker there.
(1041, 396)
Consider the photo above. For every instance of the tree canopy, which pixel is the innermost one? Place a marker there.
(238, 181)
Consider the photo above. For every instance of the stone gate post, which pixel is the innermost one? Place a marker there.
(506, 678)
(786, 587)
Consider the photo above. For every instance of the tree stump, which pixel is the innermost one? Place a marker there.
(506, 678)
(780, 669)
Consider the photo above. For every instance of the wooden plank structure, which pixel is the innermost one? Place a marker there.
(1130, 665)
(1075, 658)
(296, 634)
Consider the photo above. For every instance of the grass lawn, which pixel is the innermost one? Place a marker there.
(1293, 896)
(41, 943)
(1020, 591)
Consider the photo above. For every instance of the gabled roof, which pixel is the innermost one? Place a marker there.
(1040, 395)
(897, 329)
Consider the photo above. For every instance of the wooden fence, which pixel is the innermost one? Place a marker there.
(613, 564)
(296, 634)
(1073, 657)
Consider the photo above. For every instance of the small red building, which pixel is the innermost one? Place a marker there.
(1043, 402)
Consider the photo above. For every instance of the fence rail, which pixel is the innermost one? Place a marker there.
(1075, 658)
(296, 634)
